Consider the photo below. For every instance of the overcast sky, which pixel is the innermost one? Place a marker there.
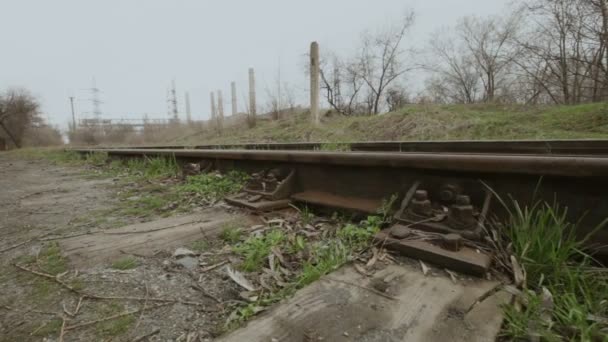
(134, 49)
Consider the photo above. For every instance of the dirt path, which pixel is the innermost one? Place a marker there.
(48, 213)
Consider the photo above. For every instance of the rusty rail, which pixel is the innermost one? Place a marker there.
(551, 147)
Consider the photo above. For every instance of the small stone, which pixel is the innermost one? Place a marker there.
(400, 232)
(183, 252)
(187, 262)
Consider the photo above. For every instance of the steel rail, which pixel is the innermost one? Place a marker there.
(550, 147)
(569, 166)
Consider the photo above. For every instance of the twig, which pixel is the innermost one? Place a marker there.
(73, 314)
(145, 305)
(109, 318)
(17, 245)
(62, 329)
(362, 287)
(212, 267)
(144, 336)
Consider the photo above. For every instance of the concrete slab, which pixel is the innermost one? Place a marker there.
(147, 238)
(345, 306)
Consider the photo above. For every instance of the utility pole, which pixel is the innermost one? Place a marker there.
(233, 93)
(73, 114)
(188, 112)
(252, 105)
(314, 82)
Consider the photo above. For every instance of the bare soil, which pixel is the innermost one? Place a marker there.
(44, 205)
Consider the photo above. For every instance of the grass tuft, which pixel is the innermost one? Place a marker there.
(564, 290)
(213, 186)
(125, 263)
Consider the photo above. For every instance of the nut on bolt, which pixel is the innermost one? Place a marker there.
(421, 205)
(452, 242)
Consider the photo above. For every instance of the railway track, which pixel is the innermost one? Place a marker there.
(447, 189)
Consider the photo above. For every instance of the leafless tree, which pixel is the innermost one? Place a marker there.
(18, 111)
(380, 61)
(488, 41)
(456, 75)
(341, 85)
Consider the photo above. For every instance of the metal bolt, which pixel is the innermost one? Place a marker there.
(452, 242)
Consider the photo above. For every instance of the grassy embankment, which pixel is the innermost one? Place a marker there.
(426, 122)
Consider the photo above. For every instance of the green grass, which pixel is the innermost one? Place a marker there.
(426, 122)
(125, 263)
(114, 327)
(231, 234)
(200, 246)
(213, 186)
(323, 256)
(256, 249)
(556, 266)
(51, 327)
(50, 259)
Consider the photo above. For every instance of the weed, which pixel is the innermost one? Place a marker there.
(212, 186)
(51, 327)
(255, 249)
(199, 245)
(117, 326)
(125, 263)
(96, 158)
(50, 259)
(556, 267)
(231, 234)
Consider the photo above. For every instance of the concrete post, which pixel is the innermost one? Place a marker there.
(188, 111)
(220, 111)
(212, 106)
(233, 93)
(314, 82)
(252, 105)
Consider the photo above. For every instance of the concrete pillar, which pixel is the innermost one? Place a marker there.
(252, 105)
(314, 82)
(213, 111)
(188, 111)
(220, 111)
(233, 93)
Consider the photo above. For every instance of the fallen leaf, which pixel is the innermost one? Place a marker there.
(425, 269)
(240, 279)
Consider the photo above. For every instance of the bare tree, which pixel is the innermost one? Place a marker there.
(488, 41)
(341, 85)
(18, 110)
(456, 75)
(380, 60)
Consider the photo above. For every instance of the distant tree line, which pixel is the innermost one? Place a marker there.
(540, 52)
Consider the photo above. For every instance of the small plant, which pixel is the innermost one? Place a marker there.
(125, 263)
(255, 249)
(212, 186)
(559, 271)
(117, 326)
(199, 245)
(231, 234)
(96, 158)
(51, 261)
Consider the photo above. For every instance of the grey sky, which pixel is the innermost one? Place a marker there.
(135, 48)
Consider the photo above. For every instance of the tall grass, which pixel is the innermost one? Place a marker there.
(565, 296)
